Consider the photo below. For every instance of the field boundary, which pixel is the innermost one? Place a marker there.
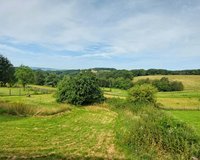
(180, 109)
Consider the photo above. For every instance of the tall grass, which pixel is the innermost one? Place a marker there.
(152, 134)
(20, 109)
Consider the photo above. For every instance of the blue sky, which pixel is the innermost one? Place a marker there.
(123, 34)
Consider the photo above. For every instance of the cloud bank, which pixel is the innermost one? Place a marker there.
(101, 33)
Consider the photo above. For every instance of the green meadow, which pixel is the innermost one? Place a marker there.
(63, 131)
(86, 132)
(187, 99)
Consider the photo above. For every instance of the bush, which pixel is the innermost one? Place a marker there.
(142, 94)
(81, 89)
(119, 82)
(177, 86)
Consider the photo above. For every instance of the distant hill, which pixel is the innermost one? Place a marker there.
(44, 69)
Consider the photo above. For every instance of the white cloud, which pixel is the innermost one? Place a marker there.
(133, 28)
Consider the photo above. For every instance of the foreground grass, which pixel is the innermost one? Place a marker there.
(148, 133)
(82, 133)
(190, 117)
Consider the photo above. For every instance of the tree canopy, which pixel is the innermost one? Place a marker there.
(6, 70)
(24, 75)
(81, 89)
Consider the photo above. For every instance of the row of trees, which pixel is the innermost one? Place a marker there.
(112, 78)
(119, 82)
(163, 84)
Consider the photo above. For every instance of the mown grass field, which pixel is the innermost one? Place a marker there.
(81, 133)
(77, 133)
(190, 117)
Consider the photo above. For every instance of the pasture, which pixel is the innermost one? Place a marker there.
(187, 99)
(190, 82)
(86, 132)
(58, 131)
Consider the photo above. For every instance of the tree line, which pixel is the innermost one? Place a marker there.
(107, 77)
(163, 84)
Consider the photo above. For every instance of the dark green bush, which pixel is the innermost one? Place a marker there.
(119, 82)
(81, 89)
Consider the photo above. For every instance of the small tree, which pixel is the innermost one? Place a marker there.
(143, 94)
(25, 75)
(39, 77)
(79, 90)
(6, 71)
(51, 80)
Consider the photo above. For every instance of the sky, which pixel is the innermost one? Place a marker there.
(122, 34)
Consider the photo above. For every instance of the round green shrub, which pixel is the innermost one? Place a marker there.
(81, 89)
(143, 94)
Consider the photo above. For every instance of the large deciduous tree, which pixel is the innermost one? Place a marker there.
(80, 90)
(25, 75)
(6, 70)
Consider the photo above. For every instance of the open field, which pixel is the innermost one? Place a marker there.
(30, 89)
(90, 132)
(4, 91)
(190, 82)
(42, 87)
(81, 133)
(190, 117)
(179, 100)
(114, 92)
(187, 99)
(169, 100)
(45, 100)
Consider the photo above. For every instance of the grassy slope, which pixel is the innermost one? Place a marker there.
(83, 132)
